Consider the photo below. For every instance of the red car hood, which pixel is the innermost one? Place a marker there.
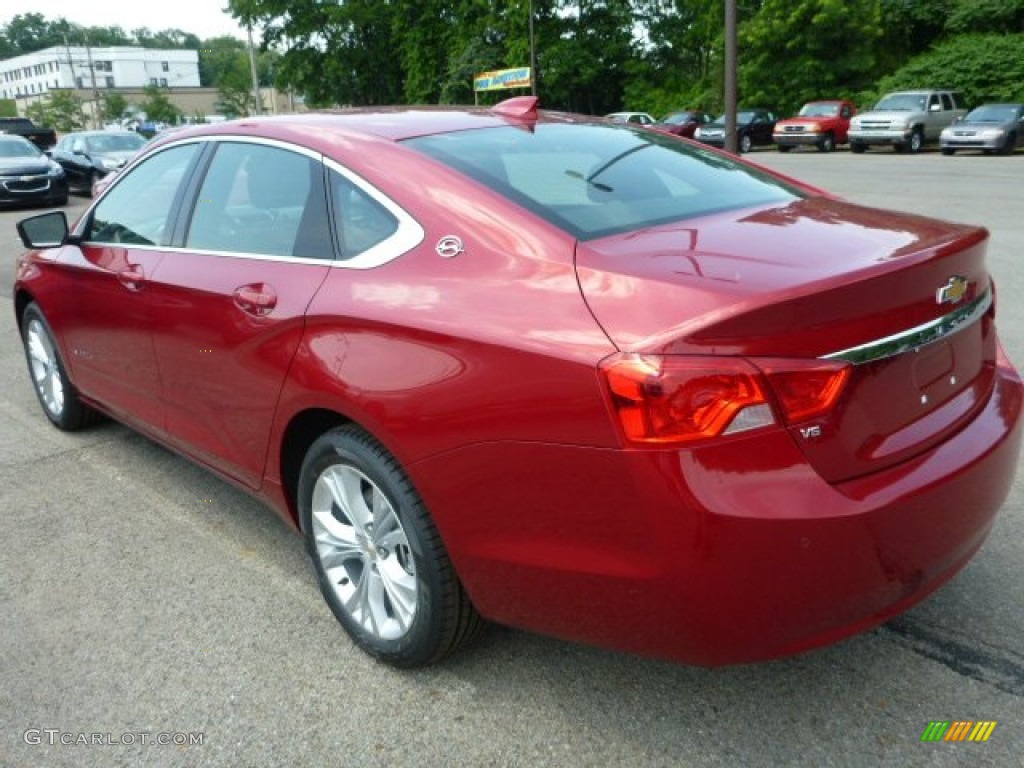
(804, 279)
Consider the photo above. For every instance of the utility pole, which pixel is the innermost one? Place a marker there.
(257, 99)
(730, 76)
(95, 92)
(533, 56)
(71, 63)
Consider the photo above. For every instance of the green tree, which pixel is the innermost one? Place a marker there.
(60, 110)
(216, 56)
(986, 16)
(158, 106)
(234, 87)
(797, 50)
(982, 67)
(114, 106)
(335, 53)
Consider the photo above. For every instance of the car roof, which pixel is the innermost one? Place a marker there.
(101, 133)
(393, 123)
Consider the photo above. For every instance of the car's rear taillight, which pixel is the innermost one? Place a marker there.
(683, 399)
(805, 389)
(662, 400)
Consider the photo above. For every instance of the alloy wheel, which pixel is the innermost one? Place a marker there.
(364, 552)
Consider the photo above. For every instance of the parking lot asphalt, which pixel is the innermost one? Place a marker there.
(140, 596)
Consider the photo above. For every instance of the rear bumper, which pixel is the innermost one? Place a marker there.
(733, 553)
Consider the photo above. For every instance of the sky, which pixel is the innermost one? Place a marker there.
(203, 18)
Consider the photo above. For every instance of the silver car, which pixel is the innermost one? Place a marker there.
(990, 127)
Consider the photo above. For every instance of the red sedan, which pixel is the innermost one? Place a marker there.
(577, 377)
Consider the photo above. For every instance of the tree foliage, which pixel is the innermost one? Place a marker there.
(982, 67)
(592, 55)
(114, 106)
(60, 110)
(799, 50)
(158, 106)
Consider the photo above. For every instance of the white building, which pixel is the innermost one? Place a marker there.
(97, 69)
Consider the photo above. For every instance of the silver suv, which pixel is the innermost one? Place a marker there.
(906, 120)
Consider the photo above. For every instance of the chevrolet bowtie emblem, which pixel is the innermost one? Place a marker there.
(953, 291)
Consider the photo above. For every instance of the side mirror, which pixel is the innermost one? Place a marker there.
(47, 230)
(935, 108)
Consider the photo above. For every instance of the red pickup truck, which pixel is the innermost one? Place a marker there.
(823, 124)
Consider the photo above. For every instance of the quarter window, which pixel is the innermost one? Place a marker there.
(360, 222)
(262, 200)
(137, 209)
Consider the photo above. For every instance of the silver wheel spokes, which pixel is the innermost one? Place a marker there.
(45, 373)
(364, 551)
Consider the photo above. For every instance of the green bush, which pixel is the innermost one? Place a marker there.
(983, 67)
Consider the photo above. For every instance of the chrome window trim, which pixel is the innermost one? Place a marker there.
(121, 173)
(918, 336)
(407, 235)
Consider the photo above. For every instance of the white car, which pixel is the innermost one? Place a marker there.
(640, 118)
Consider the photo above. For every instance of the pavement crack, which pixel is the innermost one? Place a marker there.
(62, 453)
(986, 663)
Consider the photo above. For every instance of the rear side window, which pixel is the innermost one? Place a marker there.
(261, 200)
(360, 222)
(595, 180)
(136, 210)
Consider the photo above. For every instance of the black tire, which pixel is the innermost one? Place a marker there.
(387, 578)
(857, 148)
(1009, 145)
(916, 142)
(745, 143)
(784, 148)
(828, 143)
(53, 388)
(948, 151)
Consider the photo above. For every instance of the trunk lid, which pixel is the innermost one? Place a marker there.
(817, 278)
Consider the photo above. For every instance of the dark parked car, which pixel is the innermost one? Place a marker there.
(683, 122)
(88, 156)
(557, 372)
(27, 176)
(44, 138)
(754, 127)
(990, 128)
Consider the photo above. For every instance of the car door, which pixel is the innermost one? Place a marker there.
(66, 158)
(761, 128)
(108, 334)
(230, 302)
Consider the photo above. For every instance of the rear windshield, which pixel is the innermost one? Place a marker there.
(598, 180)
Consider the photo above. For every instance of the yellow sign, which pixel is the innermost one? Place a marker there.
(501, 79)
